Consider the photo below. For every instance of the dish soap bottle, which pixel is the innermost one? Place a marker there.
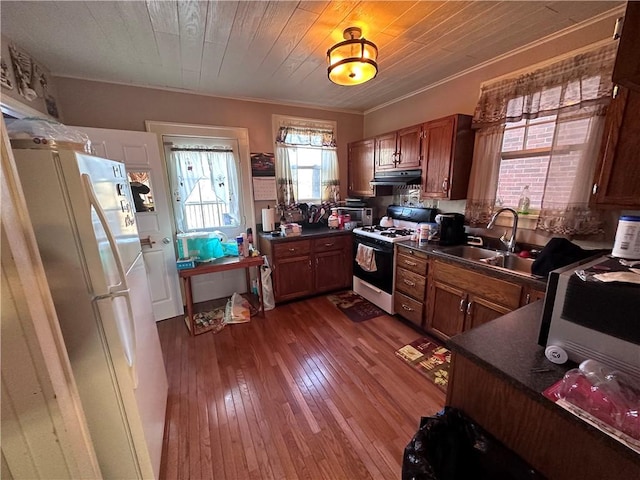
(523, 202)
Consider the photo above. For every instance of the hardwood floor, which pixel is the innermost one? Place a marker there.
(304, 393)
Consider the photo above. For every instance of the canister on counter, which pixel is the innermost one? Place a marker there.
(627, 242)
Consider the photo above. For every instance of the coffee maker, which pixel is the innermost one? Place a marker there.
(451, 229)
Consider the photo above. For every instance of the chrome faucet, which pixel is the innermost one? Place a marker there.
(511, 243)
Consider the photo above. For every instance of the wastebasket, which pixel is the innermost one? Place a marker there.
(450, 446)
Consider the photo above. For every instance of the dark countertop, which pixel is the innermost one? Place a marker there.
(508, 348)
(306, 233)
(432, 249)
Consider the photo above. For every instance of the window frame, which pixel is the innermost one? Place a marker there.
(278, 121)
(536, 152)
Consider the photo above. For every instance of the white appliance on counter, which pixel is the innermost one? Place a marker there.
(82, 213)
(376, 285)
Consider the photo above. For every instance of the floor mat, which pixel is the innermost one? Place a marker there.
(355, 307)
(430, 358)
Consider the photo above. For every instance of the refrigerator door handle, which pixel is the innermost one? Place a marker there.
(93, 200)
(120, 289)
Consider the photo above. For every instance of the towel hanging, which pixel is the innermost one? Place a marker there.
(366, 258)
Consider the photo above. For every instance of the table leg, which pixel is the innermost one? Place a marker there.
(260, 294)
(189, 300)
(247, 275)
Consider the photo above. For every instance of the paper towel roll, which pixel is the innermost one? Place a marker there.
(268, 219)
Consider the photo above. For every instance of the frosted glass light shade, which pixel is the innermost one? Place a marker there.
(353, 61)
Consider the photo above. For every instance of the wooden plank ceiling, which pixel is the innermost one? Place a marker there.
(276, 50)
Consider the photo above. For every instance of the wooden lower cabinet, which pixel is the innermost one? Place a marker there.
(459, 299)
(291, 269)
(305, 267)
(330, 271)
(293, 278)
(410, 284)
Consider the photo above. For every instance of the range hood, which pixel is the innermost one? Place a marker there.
(397, 177)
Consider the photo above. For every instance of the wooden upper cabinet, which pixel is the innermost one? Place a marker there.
(447, 151)
(626, 71)
(617, 176)
(399, 150)
(385, 152)
(408, 147)
(360, 168)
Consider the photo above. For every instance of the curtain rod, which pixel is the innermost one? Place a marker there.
(187, 149)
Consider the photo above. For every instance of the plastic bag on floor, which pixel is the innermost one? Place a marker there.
(238, 310)
(449, 446)
(268, 299)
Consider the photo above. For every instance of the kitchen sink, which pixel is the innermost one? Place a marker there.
(495, 258)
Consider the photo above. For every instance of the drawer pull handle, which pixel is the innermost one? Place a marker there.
(406, 307)
(413, 264)
(469, 308)
(528, 299)
(462, 304)
(292, 249)
(409, 282)
(329, 244)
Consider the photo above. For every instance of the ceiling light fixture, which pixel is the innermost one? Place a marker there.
(353, 61)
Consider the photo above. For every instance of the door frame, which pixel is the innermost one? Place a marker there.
(204, 283)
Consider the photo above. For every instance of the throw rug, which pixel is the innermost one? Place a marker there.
(430, 358)
(211, 320)
(355, 307)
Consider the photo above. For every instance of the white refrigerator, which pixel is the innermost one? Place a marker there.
(82, 213)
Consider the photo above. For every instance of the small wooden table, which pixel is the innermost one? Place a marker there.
(220, 265)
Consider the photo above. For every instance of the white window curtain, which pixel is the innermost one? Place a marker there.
(576, 86)
(294, 136)
(204, 185)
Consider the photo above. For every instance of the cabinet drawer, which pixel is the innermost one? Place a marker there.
(408, 308)
(412, 260)
(410, 283)
(337, 242)
(292, 249)
(494, 289)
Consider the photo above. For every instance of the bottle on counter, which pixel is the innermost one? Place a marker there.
(240, 242)
(524, 201)
(333, 220)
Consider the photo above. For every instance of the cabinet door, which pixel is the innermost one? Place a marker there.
(360, 168)
(293, 278)
(437, 149)
(409, 147)
(446, 306)
(330, 271)
(480, 311)
(617, 181)
(385, 152)
(626, 70)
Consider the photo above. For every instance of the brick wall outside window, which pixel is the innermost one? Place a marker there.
(535, 171)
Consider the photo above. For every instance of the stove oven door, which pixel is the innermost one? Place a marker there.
(382, 277)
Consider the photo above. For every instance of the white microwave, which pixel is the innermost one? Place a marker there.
(589, 319)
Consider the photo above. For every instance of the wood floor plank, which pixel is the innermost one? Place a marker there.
(303, 393)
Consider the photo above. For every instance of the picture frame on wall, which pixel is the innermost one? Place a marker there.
(263, 165)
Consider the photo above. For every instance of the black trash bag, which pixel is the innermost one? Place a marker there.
(449, 446)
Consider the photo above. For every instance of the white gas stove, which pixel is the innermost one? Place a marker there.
(387, 234)
(376, 284)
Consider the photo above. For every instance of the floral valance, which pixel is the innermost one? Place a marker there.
(305, 136)
(577, 82)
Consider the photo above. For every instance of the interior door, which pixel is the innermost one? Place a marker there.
(139, 152)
